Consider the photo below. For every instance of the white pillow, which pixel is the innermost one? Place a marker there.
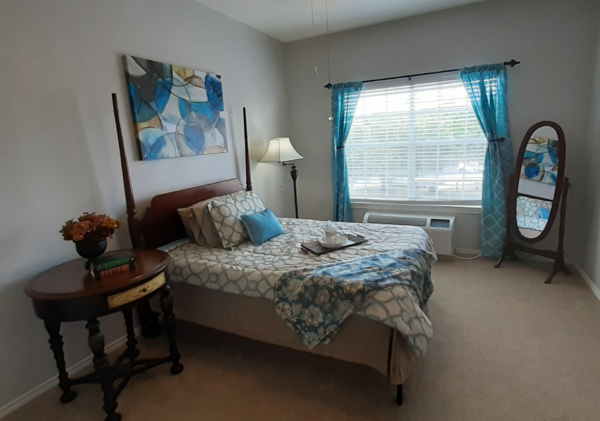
(227, 214)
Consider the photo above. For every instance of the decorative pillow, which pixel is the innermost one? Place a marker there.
(199, 224)
(210, 236)
(545, 213)
(533, 208)
(191, 225)
(227, 212)
(262, 226)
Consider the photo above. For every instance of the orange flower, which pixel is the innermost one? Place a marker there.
(80, 229)
(67, 230)
(110, 223)
(89, 226)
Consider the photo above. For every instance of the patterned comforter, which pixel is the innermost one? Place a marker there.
(394, 265)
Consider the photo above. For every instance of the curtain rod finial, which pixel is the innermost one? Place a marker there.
(328, 86)
(512, 63)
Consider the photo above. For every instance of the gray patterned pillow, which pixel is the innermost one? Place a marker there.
(227, 214)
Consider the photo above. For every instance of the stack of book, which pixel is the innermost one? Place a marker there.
(111, 265)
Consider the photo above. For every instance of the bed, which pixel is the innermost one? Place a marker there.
(233, 290)
(532, 216)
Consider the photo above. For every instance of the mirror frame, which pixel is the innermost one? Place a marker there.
(514, 188)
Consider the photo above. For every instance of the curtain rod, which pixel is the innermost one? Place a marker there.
(511, 63)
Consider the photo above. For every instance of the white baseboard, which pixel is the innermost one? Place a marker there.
(586, 278)
(53, 382)
(577, 267)
(570, 262)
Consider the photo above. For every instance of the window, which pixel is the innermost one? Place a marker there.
(416, 140)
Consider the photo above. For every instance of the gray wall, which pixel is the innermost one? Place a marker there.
(61, 59)
(589, 222)
(555, 40)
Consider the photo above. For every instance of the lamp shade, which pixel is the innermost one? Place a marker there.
(281, 150)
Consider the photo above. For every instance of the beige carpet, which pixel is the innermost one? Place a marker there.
(507, 347)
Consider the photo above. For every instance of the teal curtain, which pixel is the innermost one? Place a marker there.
(344, 97)
(487, 90)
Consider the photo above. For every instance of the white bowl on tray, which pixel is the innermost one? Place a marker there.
(340, 240)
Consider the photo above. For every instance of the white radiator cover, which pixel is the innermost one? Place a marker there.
(439, 228)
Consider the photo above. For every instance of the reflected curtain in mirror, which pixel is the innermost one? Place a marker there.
(487, 88)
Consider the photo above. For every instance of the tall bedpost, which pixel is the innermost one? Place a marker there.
(132, 220)
(247, 155)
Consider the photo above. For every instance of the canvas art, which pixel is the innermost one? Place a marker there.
(540, 161)
(177, 111)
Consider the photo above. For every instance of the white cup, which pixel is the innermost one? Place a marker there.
(330, 237)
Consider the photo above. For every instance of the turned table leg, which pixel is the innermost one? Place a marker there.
(96, 344)
(132, 351)
(166, 304)
(399, 395)
(148, 320)
(56, 345)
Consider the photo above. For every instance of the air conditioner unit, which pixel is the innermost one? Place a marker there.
(439, 228)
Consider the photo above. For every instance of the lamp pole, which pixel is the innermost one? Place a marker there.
(294, 173)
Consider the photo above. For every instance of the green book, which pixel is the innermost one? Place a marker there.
(111, 261)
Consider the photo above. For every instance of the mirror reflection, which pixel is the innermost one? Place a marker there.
(532, 216)
(537, 182)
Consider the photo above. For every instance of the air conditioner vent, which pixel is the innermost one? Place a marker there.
(439, 228)
(440, 223)
(382, 218)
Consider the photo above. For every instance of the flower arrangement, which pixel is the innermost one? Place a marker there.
(89, 226)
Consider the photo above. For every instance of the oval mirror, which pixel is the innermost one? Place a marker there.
(540, 175)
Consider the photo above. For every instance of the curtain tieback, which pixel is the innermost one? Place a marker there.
(500, 139)
(343, 147)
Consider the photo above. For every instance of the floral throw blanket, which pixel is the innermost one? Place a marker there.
(388, 287)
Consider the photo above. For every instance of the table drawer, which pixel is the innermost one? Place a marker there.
(136, 293)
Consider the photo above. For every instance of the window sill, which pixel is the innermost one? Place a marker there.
(418, 207)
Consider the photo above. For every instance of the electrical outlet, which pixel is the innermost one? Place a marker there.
(281, 186)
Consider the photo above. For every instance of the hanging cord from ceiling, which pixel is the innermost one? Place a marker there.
(312, 17)
(327, 35)
(330, 118)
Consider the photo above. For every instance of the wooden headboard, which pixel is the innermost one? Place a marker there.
(161, 223)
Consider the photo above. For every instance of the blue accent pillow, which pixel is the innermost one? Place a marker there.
(262, 226)
(545, 213)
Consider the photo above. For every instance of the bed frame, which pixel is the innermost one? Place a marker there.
(162, 224)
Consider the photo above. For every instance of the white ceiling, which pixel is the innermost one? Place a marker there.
(290, 20)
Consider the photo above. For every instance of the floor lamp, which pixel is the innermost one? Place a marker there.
(281, 151)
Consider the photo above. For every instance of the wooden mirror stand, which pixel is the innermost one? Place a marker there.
(518, 237)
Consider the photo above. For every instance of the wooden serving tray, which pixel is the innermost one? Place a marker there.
(317, 248)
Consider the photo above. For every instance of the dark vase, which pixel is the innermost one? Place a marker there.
(90, 249)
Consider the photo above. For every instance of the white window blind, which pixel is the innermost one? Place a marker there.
(416, 139)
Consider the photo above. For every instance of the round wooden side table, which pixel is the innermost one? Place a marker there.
(69, 292)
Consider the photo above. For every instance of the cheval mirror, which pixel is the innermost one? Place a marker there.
(537, 193)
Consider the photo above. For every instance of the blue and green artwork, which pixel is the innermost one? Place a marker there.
(540, 161)
(177, 111)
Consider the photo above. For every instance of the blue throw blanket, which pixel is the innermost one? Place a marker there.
(315, 301)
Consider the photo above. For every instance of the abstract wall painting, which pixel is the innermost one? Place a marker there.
(540, 161)
(177, 111)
